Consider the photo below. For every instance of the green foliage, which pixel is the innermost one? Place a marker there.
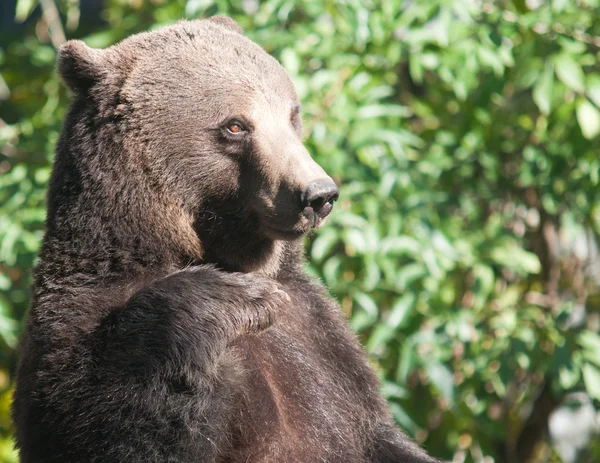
(465, 137)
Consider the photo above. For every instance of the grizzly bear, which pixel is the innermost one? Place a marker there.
(171, 317)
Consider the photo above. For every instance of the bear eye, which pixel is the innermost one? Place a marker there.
(295, 115)
(235, 127)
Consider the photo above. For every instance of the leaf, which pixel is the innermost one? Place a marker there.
(415, 68)
(591, 378)
(357, 240)
(4, 282)
(387, 184)
(398, 245)
(443, 246)
(569, 72)
(568, 377)
(484, 276)
(380, 110)
(403, 418)
(400, 310)
(491, 59)
(520, 6)
(409, 273)
(559, 5)
(406, 361)
(290, 61)
(380, 336)
(432, 264)
(441, 377)
(8, 326)
(542, 91)
(344, 218)
(529, 261)
(323, 243)
(360, 321)
(331, 270)
(590, 342)
(372, 275)
(23, 9)
(367, 303)
(588, 117)
(193, 7)
(516, 258)
(593, 88)
(393, 390)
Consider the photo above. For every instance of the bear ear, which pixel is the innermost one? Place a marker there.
(79, 65)
(227, 23)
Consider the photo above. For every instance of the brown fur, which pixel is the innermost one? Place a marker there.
(171, 318)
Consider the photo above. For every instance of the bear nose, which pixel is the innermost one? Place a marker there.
(319, 196)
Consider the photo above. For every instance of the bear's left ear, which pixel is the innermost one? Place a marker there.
(79, 65)
(227, 23)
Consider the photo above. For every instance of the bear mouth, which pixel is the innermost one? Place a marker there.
(307, 222)
(286, 234)
(281, 225)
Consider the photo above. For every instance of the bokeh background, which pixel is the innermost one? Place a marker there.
(465, 135)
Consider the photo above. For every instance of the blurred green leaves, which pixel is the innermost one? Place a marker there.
(588, 117)
(569, 71)
(465, 137)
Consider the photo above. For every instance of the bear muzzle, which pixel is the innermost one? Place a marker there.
(318, 199)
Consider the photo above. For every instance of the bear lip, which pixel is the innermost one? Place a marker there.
(285, 235)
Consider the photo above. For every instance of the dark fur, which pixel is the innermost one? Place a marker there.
(170, 249)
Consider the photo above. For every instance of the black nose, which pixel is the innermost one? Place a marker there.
(320, 193)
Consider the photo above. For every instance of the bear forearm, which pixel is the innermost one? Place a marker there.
(186, 319)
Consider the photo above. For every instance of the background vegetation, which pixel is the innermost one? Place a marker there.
(465, 137)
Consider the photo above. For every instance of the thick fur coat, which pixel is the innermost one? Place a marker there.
(171, 319)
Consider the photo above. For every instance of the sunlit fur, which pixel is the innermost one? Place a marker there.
(168, 324)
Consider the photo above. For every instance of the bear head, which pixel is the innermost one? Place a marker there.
(203, 118)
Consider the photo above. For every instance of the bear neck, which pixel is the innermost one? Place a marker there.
(104, 246)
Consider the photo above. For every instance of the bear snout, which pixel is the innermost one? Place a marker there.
(318, 199)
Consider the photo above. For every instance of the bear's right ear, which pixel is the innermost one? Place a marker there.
(79, 65)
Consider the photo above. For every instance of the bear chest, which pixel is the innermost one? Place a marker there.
(304, 396)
